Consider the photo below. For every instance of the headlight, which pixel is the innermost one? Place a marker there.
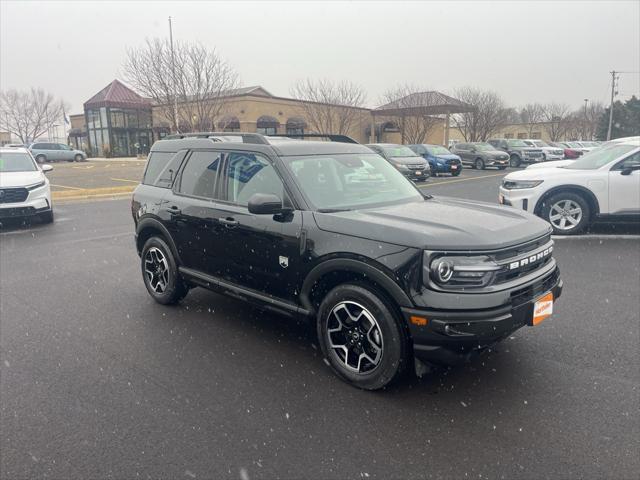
(36, 185)
(450, 271)
(520, 184)
(400, 166)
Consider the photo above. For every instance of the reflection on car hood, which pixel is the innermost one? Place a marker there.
(440, 223)
(408, 160)
(448, 156)
(20, 179)
(554, 164)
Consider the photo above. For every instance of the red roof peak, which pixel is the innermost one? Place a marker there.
(117, 94)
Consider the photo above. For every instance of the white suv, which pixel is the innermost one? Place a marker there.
(549, 153)
(603, 184)
(24, 189)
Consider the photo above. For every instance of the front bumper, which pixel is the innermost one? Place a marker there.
(417, 174)
(492, 162)
(522, 198)
(452, 337)
(38, 201)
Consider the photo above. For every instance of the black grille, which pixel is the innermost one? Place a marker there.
(453, 162)
(417, 166)
(524, 295)
(518, 253)
(13, 195)
(522, 249)
(16, 212)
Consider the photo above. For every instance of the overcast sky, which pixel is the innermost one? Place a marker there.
(526, 51)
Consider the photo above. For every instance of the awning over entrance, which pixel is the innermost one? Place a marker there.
(296, 122)
(420, 104)
(229, 122)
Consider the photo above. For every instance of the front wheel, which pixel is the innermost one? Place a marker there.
(361, 337)
(514, 161)
(479, 164)
(79, 158)
(41, 159)
(456, 173)
(568, 213)
(160, 272)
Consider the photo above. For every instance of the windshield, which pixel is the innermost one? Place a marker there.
(600, 157)
(16, 162)
(516, 143)
(398, 151)
(438, 150)
(483, 147)
(348, 181)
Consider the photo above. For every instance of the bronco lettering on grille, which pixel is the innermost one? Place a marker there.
(531, 259)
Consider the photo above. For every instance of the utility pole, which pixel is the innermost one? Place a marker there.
(613, 92)
(173, 73)
(586, 120)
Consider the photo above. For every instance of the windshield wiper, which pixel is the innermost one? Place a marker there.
(333, 210)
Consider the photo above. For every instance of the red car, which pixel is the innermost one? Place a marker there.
(569, 152)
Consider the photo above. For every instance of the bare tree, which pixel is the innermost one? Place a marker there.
(558, 120)
(414, 127)
(201, 85)
(330, 107)
(29, 114)
(591, 116)
(489, 116)
(531, 114)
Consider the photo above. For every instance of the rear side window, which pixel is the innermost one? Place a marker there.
(198, 178)
(38, 146)
(162, 168)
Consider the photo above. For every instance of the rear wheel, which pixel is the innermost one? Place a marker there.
(479, 164)
(568, 213)
(361, 337)
(41, 158)
(514, 161)
(160, 272)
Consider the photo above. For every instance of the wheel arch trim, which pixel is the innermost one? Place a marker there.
(352, 266)
(155, 224)
(591, 198)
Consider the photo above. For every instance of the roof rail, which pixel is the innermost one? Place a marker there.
(331, 136)
(254, 138)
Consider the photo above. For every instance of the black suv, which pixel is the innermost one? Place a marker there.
(331, 232)
(518, 151)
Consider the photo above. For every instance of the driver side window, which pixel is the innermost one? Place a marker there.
(628, 162)
(247, 174)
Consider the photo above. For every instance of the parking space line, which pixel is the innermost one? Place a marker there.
(64, 186)
(463, 180)
(125, 180)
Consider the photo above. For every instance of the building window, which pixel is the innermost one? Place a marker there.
(522, 135)
(508, 135)
(295, 126)
(536, 135)
(267, 125)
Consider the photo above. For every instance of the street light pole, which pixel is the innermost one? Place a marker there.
(173, 73)
(613, 89)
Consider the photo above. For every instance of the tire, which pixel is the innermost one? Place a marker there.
(41, 159)
(479, 164)
(514, 161)
(160, 272)
(46, 217)
(79, 158)
(372, 329)
(559, 206)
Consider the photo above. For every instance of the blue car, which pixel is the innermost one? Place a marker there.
(440, 159)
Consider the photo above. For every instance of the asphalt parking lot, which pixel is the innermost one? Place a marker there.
(72, 176)
(98, 381)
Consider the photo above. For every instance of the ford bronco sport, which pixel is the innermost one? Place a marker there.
(331, 232)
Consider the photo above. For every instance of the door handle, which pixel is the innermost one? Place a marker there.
(229, 222)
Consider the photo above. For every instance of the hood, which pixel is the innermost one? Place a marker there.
(20, 179)
(554, 164)
(407, 160)
(542, 173)
(439, 223)
(448, 156)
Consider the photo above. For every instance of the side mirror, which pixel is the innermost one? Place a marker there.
(265, 204)
(630, 168)
(46, 168)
